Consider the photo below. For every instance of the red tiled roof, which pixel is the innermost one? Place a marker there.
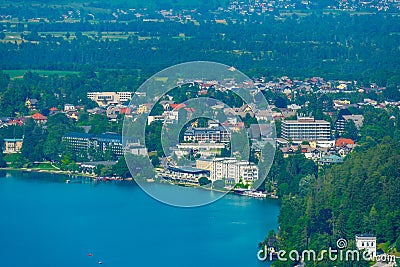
(53, 109)
(344, 141)
(177, 106)
(240, 124)
(39, 117)
(202, 92)
(125, 111)
(15, 122)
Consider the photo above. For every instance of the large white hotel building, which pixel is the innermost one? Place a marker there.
(306, 129)
(230, 169)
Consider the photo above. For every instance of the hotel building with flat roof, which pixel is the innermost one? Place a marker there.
(230, 169)
(306, 129)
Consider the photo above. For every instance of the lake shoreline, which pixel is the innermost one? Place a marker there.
(96, 178)
(48, 171)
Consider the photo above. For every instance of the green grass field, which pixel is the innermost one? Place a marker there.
(44, 166)
(11, 157)
(15, 74)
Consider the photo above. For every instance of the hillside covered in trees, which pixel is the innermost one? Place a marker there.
(360, 196)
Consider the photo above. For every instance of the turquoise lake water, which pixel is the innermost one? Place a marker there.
(45, 222)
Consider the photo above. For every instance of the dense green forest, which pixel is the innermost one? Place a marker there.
(331, 46)
(359, 196)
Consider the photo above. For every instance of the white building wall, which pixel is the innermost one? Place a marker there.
(367, 243)
(223, 168)
(111, 97)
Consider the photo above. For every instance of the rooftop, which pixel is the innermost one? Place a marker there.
(369, 236)
(305, 121)
(38, 116)
(13, 139)
(187, 169)
(78, 135)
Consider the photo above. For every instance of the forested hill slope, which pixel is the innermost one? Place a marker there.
(360, 196)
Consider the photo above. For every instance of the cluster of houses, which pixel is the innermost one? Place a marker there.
(324, 152)
(243, 8)
(264, 6)
(37, 117)
(289, 86)
(305, 135)
(110, 103)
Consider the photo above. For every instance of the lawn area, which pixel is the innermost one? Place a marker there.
(114, 35)
(388, 248)
(383, 246)
(15, 74)
(11, 159)
(44, 166)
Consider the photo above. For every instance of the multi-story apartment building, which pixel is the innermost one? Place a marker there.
(78, 141)
(207, 135)
(230, 169)
(101, 142)
(104, 99)
(306, 129)
(105, 141)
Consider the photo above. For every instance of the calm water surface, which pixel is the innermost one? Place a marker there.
(45, 222)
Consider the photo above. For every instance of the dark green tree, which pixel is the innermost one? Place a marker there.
(351, 131)
(219, 184)
(204, 181)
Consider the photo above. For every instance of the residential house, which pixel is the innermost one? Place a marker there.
(144, 108)
(343, 142)
(12, 145)
(31, 103)
(367, 242)
(39, 118)
(69, 107)
(330, 159)
(288, 150)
